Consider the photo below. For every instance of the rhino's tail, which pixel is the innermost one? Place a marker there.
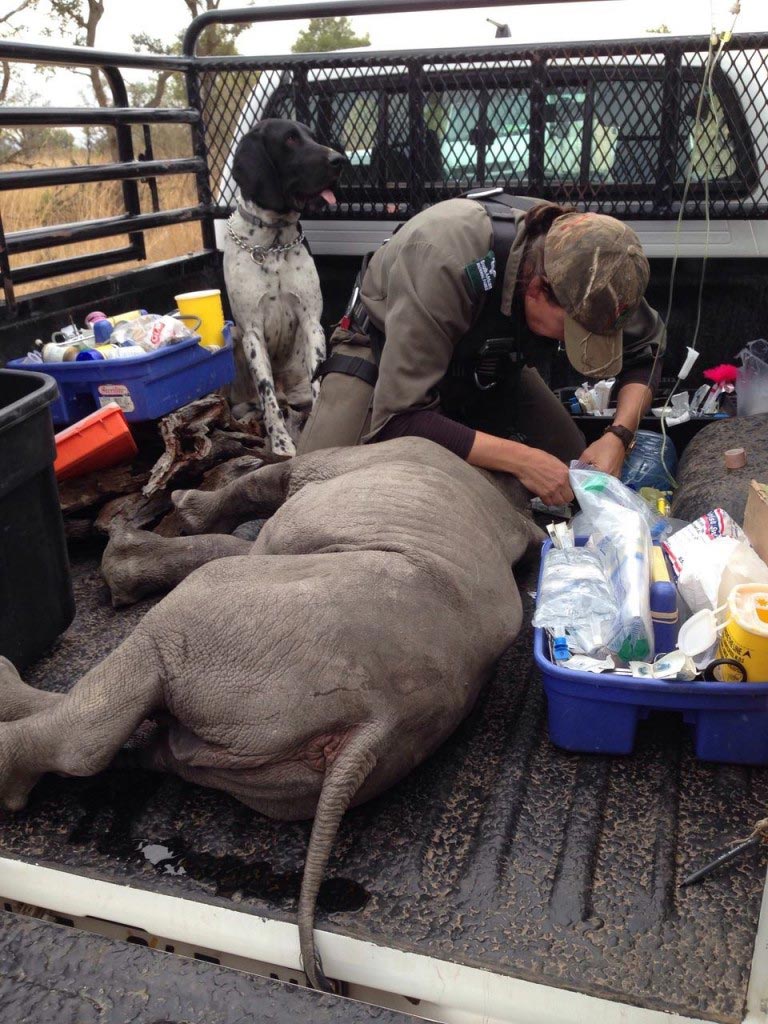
(342, 782)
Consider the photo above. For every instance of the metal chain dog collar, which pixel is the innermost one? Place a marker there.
(259, 253)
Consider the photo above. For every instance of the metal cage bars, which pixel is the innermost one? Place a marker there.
(633, 114)
(127, 169)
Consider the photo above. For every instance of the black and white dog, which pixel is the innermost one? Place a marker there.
(271, 279)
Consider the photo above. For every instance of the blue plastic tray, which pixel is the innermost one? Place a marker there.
(599, 713)
(145, 388)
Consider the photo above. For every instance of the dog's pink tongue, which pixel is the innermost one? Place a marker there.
(328, 196)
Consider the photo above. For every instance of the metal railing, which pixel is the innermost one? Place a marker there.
(610, 127)
(127, 169)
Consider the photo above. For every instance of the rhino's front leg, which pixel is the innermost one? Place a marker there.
(256, 494)
(263, 491)
(81, 733)
(137, 563)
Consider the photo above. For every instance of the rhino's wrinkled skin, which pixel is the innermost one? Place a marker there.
(307, 671)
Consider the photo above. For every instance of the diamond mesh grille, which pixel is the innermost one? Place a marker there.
(612, 128)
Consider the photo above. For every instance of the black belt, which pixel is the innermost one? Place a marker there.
(353, 366)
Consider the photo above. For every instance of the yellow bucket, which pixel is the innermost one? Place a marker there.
(745, 636)
(207, 306)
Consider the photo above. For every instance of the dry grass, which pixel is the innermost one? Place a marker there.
(25, 209)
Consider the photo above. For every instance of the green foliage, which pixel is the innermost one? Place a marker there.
(324, 34)
(22, 145)
(662, 29)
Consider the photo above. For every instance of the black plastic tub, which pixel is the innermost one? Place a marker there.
(36, 601)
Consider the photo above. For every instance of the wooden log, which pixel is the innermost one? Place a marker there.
(92, 490)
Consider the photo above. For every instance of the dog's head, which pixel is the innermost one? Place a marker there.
(279, 166)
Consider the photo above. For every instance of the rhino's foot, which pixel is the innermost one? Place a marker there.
(17, 699)
(16, 776)
(202, 512)
(130, 564)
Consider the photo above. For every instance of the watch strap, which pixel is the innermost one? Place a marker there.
(624, 434)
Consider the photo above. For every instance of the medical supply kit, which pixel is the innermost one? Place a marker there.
(637, 613)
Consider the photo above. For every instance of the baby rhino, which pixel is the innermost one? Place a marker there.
(310, 670)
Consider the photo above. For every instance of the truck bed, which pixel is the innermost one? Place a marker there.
(501, 852)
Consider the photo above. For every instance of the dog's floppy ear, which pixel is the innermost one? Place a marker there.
(255, 173)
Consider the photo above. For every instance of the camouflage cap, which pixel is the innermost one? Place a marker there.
(598, 272)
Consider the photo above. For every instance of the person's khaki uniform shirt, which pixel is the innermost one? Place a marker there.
(414, 290)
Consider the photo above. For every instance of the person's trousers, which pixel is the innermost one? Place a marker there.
(544, 421)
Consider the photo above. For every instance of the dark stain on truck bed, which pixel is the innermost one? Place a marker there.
(501, 852)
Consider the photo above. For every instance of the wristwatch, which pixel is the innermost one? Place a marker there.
(624, 434)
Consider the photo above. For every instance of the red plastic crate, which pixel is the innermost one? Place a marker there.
(100, 440)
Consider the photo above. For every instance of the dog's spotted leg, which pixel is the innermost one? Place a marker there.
(310, 348)
(255, 350)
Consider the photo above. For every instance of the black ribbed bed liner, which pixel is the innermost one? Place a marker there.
(501, 852)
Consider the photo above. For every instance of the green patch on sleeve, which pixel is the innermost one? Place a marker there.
(479, 277)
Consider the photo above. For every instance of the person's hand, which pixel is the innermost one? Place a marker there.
(546, 477)
(606, 454)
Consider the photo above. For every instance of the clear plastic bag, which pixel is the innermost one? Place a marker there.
(752, 379)
(575, 599)
(621, 532)
(151, 331)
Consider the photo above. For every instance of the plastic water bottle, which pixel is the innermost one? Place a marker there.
(643, 467)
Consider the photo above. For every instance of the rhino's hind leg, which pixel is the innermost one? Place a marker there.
(81, 733)
(343, 780)
(17, 699)
(137, 563)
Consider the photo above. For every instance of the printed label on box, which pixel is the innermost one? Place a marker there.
(118, 393)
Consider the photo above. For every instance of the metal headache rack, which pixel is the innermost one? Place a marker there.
(609, 127)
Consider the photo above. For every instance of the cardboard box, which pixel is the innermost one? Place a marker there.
(756, 518)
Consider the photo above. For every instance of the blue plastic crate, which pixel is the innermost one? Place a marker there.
(146, 387)
(598, 714)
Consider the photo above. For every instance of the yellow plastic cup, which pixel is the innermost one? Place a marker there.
(745, 637)
(207, 306)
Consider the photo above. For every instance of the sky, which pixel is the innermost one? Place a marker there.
(565, 22)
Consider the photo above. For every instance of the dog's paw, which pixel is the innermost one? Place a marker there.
(282, 445)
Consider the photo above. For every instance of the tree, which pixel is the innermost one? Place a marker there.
(23, 143)
(662, 29)
(324, 34)
(81, 18)
(9, 29)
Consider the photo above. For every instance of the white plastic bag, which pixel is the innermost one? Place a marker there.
(744, 566)
(714, 568)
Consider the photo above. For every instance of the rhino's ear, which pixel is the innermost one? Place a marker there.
(255, 173)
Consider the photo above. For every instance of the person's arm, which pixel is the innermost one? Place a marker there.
(542, 473)
(644, 344)
(417, 286)
(607, 453)
(456, 437)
